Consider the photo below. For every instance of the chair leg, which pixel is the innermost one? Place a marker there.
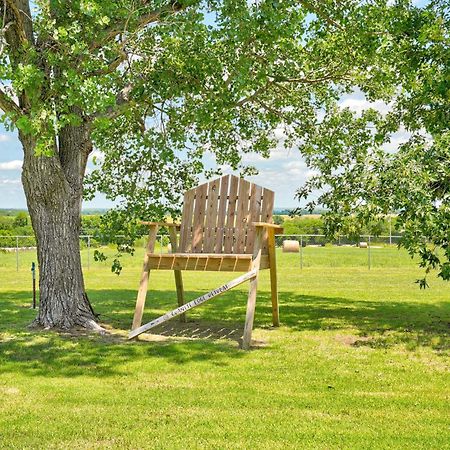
(251, 304)
(143, 285)
(142, 294)
(180, 292)
(273, 278)
(177, 273)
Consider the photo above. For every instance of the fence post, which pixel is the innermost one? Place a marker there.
(17, 253)
(390, 229)
(33, 274)
(368, 254)
(88, 251)
(301, 252)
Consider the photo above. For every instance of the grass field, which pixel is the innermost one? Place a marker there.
(360, 361)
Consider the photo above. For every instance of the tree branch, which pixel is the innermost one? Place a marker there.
(18, 22)
(8, 105)
(122, 99)
(142, 21)
(328, 77)
(255, 94)
(319, 13)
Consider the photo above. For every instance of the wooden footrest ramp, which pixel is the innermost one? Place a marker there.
(198, 301)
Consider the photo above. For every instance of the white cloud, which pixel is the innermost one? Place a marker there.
(294, 169)
(358, 105)
(276, 154)
(13, 181)
(11, 165)
(5, 138)
(397, 138)
(97, 155)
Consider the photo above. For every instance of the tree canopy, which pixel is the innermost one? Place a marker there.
(155, 85)
(359, 180)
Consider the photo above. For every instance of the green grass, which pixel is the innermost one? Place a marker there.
(360, 361)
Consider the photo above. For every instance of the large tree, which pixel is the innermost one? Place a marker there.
(360, 179)
(154, 85)
(154, 82)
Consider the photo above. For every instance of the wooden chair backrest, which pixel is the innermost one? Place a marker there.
(217, 216)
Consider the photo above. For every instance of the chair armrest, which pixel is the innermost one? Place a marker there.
(277, 229)
(161, 224)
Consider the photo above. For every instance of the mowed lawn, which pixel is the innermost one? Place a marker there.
(360, 361)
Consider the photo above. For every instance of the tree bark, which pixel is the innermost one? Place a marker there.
(53, 189)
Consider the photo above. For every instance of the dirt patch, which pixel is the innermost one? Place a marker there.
(10, 390)
(169, 331)
(351, 339)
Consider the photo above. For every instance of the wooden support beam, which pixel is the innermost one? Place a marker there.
(177, 273)
(198, 301)
(251, 302)
(273, 277)
(142, 293)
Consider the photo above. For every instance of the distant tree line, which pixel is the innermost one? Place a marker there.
(315, 225)
(91, 225)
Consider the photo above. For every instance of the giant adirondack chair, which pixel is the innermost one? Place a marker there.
(226, 225)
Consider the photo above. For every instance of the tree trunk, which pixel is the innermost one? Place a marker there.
(53, 189)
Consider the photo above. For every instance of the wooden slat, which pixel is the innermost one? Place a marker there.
(251, 302)
(266, 215)
(177, 273)
(241, 216)
(199, 218)
(267, 205)
(273, 277)
(211, 216)
(221, 214)
(254, 216)
(142, 293)
(198, 301)
(186, 221)
(231, 213)
(203, 262)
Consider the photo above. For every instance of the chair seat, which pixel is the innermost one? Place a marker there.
(216, 262)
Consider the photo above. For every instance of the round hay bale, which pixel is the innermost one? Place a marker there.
(291, 246)
(363, 245)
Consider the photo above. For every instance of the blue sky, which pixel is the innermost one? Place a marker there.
(283, 172)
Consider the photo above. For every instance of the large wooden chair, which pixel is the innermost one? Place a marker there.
(226, 225)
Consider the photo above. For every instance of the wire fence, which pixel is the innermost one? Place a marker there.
(303, 250)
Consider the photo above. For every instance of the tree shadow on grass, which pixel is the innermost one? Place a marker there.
(79, 353)
(376, 323)
(206, 337)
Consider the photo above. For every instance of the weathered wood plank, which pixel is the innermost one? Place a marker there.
(142, 293)
(254, 216)
(177, 273)
(221, 214)
(198, 301)
(273, 277)
(267, 205)
(199, 218)
(186, 221)
(203, 262)
(242, 216)
(211, 216)
(231, 214)
(266, 215)
(251, 302)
